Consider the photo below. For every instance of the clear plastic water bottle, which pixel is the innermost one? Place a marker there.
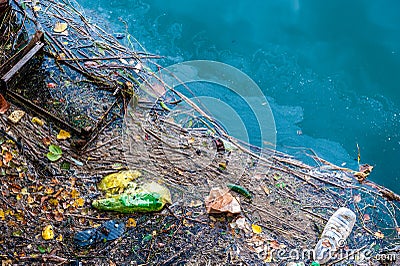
(336, 231)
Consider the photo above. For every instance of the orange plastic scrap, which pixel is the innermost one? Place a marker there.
(220, 201)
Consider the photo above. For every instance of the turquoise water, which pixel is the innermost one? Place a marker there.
(331, 69)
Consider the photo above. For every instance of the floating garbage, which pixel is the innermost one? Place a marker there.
(108, 231)
(149, 197)
(336, 231)
(220, 201)
(117, 182)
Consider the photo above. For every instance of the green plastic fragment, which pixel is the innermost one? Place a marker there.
(164, 106)
(241, 190)
(130, 203)
(42, 249)
(147, 238)
(280, 185)
(150, 197)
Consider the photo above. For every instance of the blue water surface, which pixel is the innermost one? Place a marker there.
(330, 69)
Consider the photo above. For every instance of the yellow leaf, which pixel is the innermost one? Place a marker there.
(61, 56)
(117, 182)
(30, 200)
(2, 215)
(59, 238)
(131, 222)
(379, 235)
(53, 202)
(60, 27)
(37, 121)
(79, 202)
(63, 135)
(74, 194)
(49, 191)
(19, 196)
(186, 223)
(48, 233)
(24, 191)
(256, 229)
(36, 8)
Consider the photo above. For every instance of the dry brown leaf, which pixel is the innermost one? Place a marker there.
(266, 190)
(366, 168)
(326, 243)
(364, 171)
(366, 217)
(274, 244)
(379, 235)
(220, 200)
(8, 157)
(4, 105)
(58, 216)
(46, 141)
(357, 198)
(60, 27)
(268, 258)
(398, 230)
(16, 116)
